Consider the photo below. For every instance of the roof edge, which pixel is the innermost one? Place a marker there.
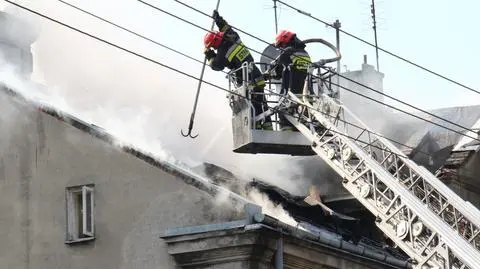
(173, 235)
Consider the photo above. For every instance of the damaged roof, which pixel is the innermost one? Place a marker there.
(426, 143)
(357, 227)
(414, 130)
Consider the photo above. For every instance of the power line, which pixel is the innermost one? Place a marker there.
(393, 98)
(406, 112)
(185, 55)
(130, 31)
(178, 71)
(386, 51)
(134, 33)
(114, 45)
(363, 85)
(202, 28)
(400, 101)
(205, 14)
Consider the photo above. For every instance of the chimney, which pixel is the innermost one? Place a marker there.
(16, 38)
(366, 66)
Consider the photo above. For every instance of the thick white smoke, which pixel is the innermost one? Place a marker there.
(94, 76)
(139, 103)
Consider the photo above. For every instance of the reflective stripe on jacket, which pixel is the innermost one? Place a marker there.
(238, 51)
(300, 60)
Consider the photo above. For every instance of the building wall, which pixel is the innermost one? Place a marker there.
(466, 184)
(134, 202)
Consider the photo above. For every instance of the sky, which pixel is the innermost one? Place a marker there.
(141, 100)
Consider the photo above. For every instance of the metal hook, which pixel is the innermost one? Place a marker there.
(189, 134)
(190, 126)
(192, 116)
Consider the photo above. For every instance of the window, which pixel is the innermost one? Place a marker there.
(80, 213)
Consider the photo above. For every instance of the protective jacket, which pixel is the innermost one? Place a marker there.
(232, 53)
(293, 77)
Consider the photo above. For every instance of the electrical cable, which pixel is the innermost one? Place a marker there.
(402, 102)
(166, 66)
(155, 42)
(406, 112)
(353, 125)
(114, 45)
(363, 85)
(200, 27)
(387, 52)
(403, 111)
(185, 55)
(205, 14)
(132, 32)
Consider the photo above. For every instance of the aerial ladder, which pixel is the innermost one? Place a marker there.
(420, 214)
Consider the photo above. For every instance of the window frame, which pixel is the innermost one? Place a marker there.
(77, 213)
(85, 211)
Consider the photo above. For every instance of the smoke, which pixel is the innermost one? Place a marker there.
(94, 76)
(141, 103)
(269, 208)
(371, 111)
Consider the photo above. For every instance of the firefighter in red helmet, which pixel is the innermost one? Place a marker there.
(232, 53)
(291, 66)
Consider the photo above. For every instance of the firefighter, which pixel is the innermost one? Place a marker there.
(232, 53)
(291, 66)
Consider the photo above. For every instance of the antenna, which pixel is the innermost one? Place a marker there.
(375, 31)
(275, 11)
(337, 26)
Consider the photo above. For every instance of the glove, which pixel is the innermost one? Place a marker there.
(209, 53)
(215, 15)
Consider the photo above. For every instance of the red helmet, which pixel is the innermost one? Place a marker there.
(283, 37)
(213, 39)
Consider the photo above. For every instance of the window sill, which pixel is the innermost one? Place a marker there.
(80, 240)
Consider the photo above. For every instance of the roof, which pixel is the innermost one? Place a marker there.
(357, 227)
(464, 116)
(190, 177)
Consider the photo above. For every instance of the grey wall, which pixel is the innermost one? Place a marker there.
(135, 202)
(467, 184)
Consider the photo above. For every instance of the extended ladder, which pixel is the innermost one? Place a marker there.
(433, 225)
(425, 218)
